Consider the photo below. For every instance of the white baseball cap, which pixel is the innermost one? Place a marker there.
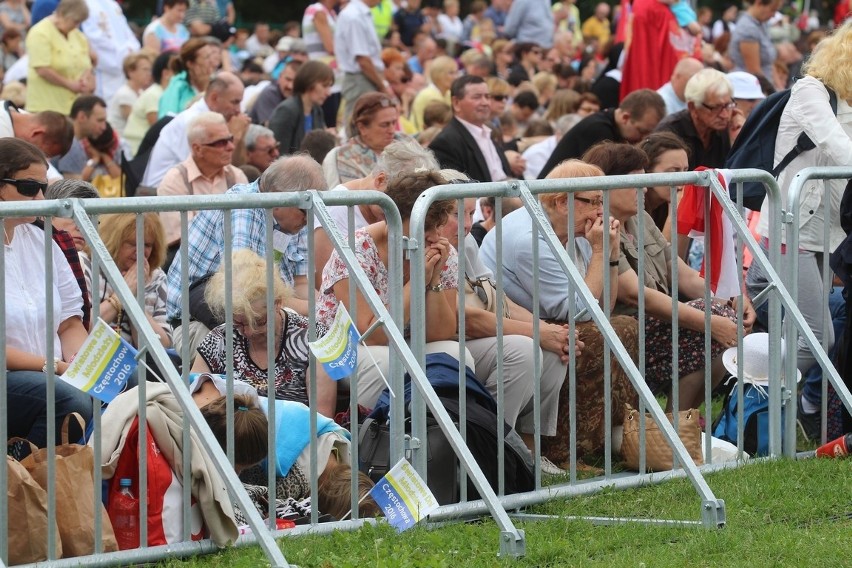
(746, 86)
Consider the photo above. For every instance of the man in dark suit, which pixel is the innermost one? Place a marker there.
(466, 144)
(634, 119)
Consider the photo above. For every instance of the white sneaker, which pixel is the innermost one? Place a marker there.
(549, 468)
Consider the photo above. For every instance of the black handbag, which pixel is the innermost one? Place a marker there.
(374, 457)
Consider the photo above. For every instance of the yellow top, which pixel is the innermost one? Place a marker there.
(68, 56)
(593, 27)
(429, 94)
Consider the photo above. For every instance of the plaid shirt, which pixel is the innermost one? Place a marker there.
(206, 243)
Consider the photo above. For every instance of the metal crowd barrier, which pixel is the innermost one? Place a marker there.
(511, 542)
(712, 510)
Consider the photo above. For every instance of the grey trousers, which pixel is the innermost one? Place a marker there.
(354, 85)
(812, 301)
(518, 380)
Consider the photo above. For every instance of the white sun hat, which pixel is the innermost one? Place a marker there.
(755, 359)
(746, 86)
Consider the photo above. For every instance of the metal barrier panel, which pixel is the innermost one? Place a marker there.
(105, 266)
(778, 392)
(712, 511)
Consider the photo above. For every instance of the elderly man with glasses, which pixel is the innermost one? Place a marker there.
(261, 147)
(207, 171)
(703, 125)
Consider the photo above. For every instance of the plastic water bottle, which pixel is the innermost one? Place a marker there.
(124, 514)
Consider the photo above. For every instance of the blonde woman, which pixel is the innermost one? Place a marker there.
(118, 232)
(809, 111)
(251, 327)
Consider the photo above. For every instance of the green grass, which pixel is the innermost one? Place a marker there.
(782, 513)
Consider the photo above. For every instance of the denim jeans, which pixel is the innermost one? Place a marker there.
(27, 403)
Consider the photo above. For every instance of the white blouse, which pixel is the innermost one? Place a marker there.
(808, 110)
(26, 304)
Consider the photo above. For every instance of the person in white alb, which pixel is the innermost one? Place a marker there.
(111, 38)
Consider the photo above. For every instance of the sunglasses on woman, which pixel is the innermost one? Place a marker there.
(26, 187)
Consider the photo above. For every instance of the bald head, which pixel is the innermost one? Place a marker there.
(683, 72)
(225, 94)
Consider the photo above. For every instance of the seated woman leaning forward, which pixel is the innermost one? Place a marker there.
(519, 272)
(371, 251)
(251, 358)
(657, 287)
(23, 170)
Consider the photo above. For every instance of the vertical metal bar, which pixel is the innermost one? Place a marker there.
(708, 303)
(536, 317)
(827, 323)
(353, 380)
(501, 393)
(50, 355)
(740, 331)
(572, 330)
(271, 350)
(186, 359)
(95, 440)
(4, 410)
(460, 301)
(607, 364)
(312, 371)
(640, 269)
(228, 267)
(142, 374)
(675, 396)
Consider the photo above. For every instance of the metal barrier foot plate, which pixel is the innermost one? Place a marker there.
(512, 547)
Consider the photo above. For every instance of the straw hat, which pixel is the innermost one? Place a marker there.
(755, 359)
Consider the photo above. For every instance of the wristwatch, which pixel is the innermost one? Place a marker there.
(433, 288)
(91, 163)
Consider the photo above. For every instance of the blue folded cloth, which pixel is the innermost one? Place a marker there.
(293, 430)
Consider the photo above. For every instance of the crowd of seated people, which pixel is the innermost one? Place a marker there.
(397, 105)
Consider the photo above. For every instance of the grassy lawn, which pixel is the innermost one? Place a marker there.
(784, 513)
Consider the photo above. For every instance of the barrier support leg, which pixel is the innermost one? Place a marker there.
(713, 514)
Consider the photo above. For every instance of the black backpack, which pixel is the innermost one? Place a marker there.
(755, 146)
(442, 465)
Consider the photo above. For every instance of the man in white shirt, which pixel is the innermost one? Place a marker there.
(224, 95)
(672, 92)
(358, 53)
(538, 154)
(51, 132)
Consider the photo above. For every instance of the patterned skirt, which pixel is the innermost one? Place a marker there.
(658, 347)
(590, 393)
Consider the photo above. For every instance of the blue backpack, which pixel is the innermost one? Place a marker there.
(755, 146)
(755, 416)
